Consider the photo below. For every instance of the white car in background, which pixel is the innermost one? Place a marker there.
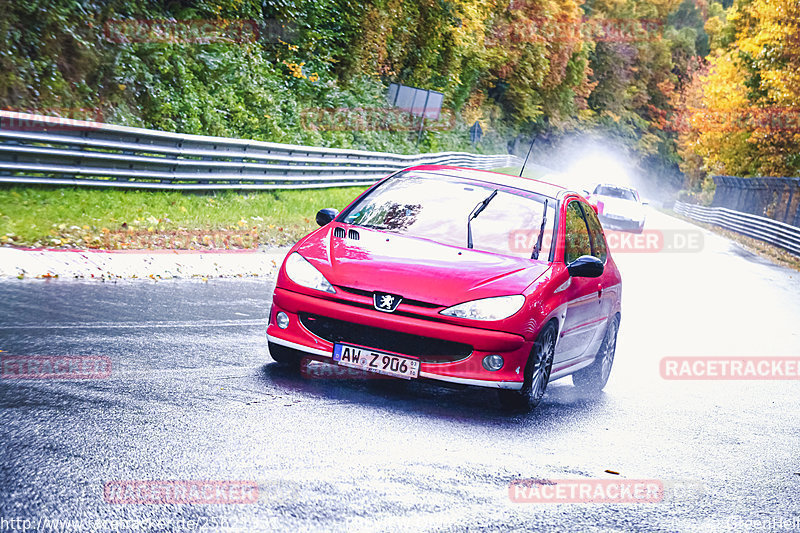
(618, 207)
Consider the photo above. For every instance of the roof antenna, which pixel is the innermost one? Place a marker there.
(533, 140)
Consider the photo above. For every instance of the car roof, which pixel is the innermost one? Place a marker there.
(527, 184)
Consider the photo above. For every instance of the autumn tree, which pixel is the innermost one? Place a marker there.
(740, 115)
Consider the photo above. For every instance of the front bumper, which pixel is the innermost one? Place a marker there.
(467, 371)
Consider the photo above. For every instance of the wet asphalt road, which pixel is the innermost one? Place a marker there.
(193, 395)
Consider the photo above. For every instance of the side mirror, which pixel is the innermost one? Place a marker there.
(325, 216)
(586, 266)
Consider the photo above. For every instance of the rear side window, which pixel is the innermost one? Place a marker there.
(599, 249)
(577, 241)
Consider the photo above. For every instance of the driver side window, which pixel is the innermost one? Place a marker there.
(577, 235)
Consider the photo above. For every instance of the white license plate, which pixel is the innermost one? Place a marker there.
(384, 363)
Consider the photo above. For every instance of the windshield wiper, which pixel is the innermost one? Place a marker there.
(475, 212)
(538, 247)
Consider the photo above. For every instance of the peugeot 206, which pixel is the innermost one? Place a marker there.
(457, 275)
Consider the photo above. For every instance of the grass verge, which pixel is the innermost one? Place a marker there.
(68, 217)
(114, 219)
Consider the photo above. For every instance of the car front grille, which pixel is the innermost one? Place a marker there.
(368, 294)
(428, 349)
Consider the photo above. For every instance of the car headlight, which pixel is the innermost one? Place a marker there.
(487, 308)
(304, 273)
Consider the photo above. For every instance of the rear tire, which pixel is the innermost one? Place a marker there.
(537, 374)
(285, 356)
(595, 376)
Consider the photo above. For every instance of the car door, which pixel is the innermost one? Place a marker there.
(583, 313)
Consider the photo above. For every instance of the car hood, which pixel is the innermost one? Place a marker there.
(416, 269)
(620, 207)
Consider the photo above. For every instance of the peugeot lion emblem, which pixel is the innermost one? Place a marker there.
(386, 302)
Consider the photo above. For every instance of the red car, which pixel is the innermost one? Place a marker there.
(456, 275)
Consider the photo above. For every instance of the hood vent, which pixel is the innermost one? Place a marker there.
(340, 233)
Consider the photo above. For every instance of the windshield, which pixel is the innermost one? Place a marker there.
(437, 207)
(615, 192)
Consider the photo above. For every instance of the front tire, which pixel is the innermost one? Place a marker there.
(285, 356)
(595, 376)
(537, 373)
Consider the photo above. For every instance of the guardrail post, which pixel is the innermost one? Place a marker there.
(796, 221)
(789, 190)
(741, 199)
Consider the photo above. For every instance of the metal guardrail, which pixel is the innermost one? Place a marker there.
(57, 151)
(765, 229)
